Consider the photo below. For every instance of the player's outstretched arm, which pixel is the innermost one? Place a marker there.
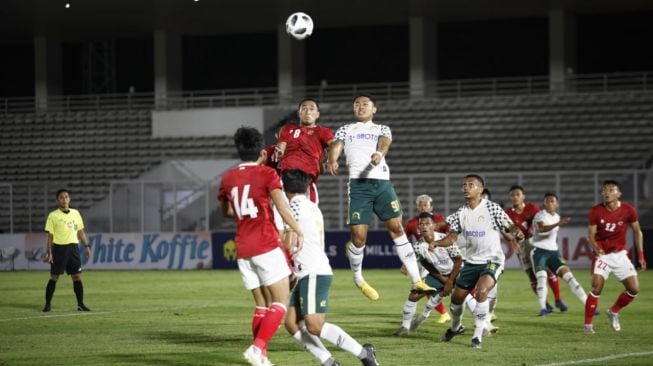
(335, 148)
(446, 241)
(284, 210)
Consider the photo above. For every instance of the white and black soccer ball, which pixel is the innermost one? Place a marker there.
(299, 25)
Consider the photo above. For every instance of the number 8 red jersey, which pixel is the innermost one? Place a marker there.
(247, 187)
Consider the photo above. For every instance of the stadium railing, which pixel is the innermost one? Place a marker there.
(144, 206)
(525, 85)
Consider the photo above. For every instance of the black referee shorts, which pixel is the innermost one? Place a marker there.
(65, 257)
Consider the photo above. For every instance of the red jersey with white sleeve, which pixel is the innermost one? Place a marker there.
(524, 220)
(612, 226)
(247, 188)
(304, 147)
(412, 227)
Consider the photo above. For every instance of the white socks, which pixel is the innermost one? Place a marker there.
(480, 318)
(431, 304)
(340, 338)
(406, 253)
(542, 290)
(312, 344)
(409, 312)
(355, 256)
(456, 316)
(576, 288)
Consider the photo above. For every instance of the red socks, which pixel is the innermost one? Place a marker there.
(555, 285)
(590, 307)
(624, 299)
(269, 325)
(259, 314)
(440, 308)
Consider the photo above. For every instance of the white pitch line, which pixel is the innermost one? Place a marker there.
(86, 313)
(606, 358)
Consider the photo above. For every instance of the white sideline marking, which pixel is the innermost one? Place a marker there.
(89, 313)
(606, 358)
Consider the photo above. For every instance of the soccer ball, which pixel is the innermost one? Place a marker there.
(299, 25)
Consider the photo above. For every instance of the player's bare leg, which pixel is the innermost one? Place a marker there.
(406, 254)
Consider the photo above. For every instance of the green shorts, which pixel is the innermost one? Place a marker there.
(371, 195)
(311, 293)
(543, 259)
(434, 282)
(470, 273)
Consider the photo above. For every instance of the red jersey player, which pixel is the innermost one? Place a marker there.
(608, 224)
(522, 213)
(425, 204)
(245, 193)
(302, 147)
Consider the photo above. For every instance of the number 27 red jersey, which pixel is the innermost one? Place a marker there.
(247, 188)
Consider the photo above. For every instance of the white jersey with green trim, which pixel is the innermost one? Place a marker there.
(440, 257)
(480, 227)
(311, 259)
(545, 240)
(360, 141)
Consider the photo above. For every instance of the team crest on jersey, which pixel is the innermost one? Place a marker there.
(481, 218)
(229, 250)
(323, 303)
(620, 223)
(310, 131)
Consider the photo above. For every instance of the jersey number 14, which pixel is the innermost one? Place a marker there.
(243, 205)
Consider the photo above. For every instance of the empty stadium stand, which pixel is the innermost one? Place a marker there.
(548, 142)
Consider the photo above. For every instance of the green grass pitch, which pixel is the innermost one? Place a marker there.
(203, 318)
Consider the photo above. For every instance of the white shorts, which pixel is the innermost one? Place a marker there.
(617, 262)
(263, 269)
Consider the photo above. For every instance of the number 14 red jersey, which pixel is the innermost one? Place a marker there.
(247, 188)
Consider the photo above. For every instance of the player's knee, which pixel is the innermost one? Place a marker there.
(394, 227)
(358, 242)
(314, 328)
(54, 277)
(291, 326)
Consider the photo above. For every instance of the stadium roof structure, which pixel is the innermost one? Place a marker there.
(97, 19)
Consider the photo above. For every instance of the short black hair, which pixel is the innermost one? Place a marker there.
(477, 177)
(368, 96)
(249, 143)
(295, 180)
(60, 191)
(612, 182)
(487, 193)
(286, 121)
(299, 106)
(423, 215)
(517, 186)
(549, 194)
